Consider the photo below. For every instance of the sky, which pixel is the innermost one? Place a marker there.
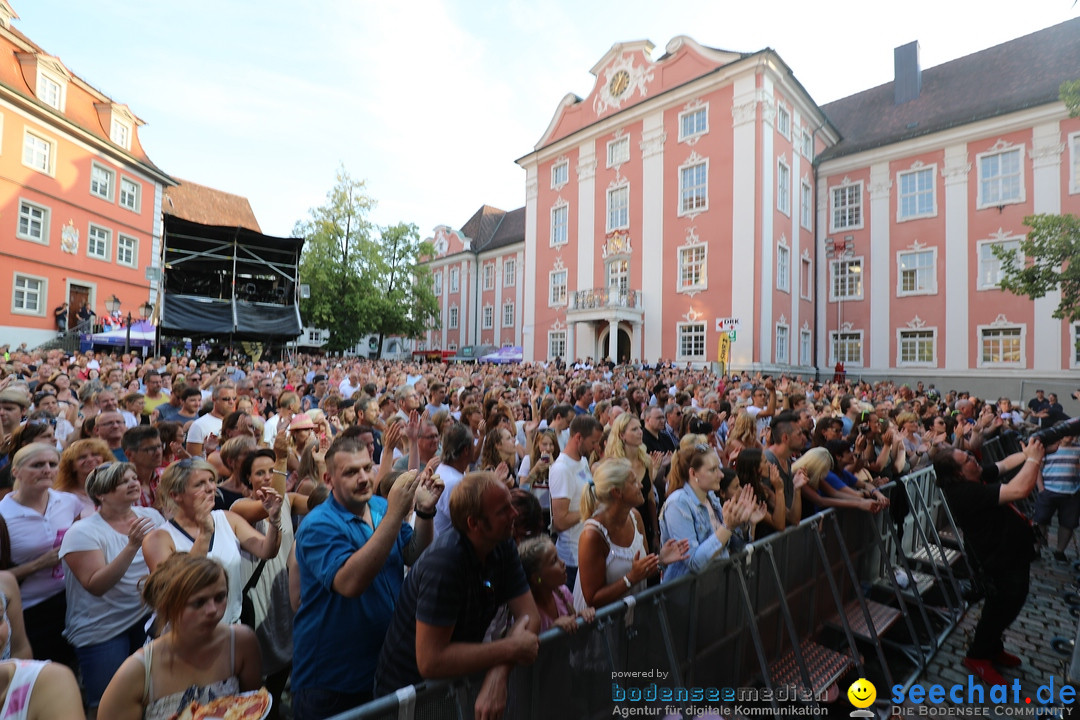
(430, 102)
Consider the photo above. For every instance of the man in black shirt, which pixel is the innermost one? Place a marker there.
(999, 538)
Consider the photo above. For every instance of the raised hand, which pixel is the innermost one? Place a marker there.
(502, 473)
(524, 641)
(643, 567)
(271, 501)
(140, 527)
(674, 551)
(402, 497)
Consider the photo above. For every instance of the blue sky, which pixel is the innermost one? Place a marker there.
(432, 101)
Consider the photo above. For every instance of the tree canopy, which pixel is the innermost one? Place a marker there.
(1051, 247)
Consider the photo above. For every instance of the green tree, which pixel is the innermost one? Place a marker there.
(336, 263)
(404, 302)
(1069, 92)
(1051, 248)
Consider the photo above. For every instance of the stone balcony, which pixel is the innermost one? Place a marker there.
(605, 304)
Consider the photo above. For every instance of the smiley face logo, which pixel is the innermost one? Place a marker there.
(862, 693)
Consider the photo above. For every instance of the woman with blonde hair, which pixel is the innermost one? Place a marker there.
(612, 558)
(625, 440)
(543, 451)
(76, 463)
(743, 435)
(816, 464)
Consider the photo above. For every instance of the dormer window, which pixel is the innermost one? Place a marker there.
(120, 133)
(50, 91)
(47, 77)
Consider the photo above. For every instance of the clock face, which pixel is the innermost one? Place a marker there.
(619, 82)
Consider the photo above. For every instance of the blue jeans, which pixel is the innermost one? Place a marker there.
(100, 662)
(317, 703)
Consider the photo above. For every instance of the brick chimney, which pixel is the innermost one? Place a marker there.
(908, 80)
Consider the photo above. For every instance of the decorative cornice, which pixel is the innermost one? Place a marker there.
(618, 243)
(782, 320)
(559, 265)
(880, 189)
(652, 143)
(744, 113)
(693, 315)
(586, 170)
(1001, 321)
(692, 237)
(846, 327)
(1000, 145)
(532, 188)
(916, 323)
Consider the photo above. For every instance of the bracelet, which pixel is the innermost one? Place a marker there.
(423, 515)
(1033, 460)
(626, 580)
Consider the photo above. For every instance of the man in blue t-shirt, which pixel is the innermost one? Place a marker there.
(351, 551)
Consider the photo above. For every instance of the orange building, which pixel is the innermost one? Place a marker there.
(80, 201)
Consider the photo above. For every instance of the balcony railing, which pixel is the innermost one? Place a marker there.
(598, 298)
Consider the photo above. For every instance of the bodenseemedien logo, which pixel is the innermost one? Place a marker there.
(975, 699)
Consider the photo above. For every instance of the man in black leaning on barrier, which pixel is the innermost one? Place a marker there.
(998, 536)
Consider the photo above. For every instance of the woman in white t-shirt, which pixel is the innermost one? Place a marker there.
(106, 618)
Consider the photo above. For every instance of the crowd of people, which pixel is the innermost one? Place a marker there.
(175, 529)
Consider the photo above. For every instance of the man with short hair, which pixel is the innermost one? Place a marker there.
(110, 427)
(142, 446)
(583, 397)
(763, 406)
(352, 551)
(1039, 409)
(13, 404)
(155, 395)
(672, 423)
(350, 385)
(407, 400)
(787, 440)
(451, 596)
(559, 421)
(421, 448)
(224, 397)
(438, 398)
(288, 405)
(106, 401)
(318, 390)
(567, 478)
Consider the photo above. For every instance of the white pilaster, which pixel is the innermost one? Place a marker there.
(957, 326)
(519, 298)
(652, 234)
(766, 325)
(585, 243)
(497, 321)
(744, 184)
(821, 276)
(1046, 149)
(794, 232)
(880, 265)
(528, 281)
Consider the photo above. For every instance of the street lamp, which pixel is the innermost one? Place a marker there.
(838, 251)
(145, 311)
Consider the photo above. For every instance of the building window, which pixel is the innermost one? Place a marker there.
(97, 242)
(33, 222)
(916, 194)
(1076, 345)
(1001, 346)
(991, 270)
(806, 205)
(846, 347)
(120, 133)
(557, 287)
(508, 315)
(1074, 164)
(129, 194)
(783, 120)
(29, 295)
(917, 347)
(693, 123)
(560, 174)
(556, 344)
(692, 268)
(559, 225)
(618, 151)
(691, 341)
(806, 343)
(51, 90)
(489, 276)
(101, 181)
(847, 207)
(917, 272)
(782, 345)
(452, 347)
(436, 282)
(453, 318)
(807, 147)
(455, 279)
(38, 153)
(488, 317)
(618, 275)
(127, 250)
(806, 278)
(783, 187)
(618, 208)
(509, 273)
(694, 188)
(846, 280)
(1001, 178)
(783, 268)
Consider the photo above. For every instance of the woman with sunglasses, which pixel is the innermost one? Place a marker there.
(106, 618)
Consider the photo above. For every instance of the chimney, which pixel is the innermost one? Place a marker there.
(908, 80)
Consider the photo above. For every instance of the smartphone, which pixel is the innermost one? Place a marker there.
(546, 457)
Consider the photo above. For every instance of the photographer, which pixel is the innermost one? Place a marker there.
(999, 538)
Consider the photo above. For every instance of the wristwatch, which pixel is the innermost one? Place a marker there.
(626, 580)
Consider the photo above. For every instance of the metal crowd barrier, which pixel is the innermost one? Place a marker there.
(801, 613)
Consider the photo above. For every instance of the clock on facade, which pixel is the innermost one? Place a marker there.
(619, 82)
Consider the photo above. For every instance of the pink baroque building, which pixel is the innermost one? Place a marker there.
(673, 201)
(478, 276)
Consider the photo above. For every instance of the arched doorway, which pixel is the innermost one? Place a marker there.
(624, 346)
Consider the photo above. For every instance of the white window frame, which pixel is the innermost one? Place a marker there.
(930, 285)
(782, 346)
(916, 173)
(556, 344)
(509, 272)
(1074, 349)
(687, 261)
(783, 267)
(487, 317)
(452, 317)
(908, 335)
(508, 314)
(90, 236)
(806, 144)
(49, 152)
(41, 293)
(783, 186)
(618, 151)
(983, 201)
(560, 224)
(834, 266)
(847, 189)
(1074, 163)
(46, 216)
(806, 278)
(560, 174)
(558, 293)
(618, 216)
(979, 266)
(783, 119)
(617, 273)
(121, 240)
(692, 114)
(489, 276)
(44, 78)
(95, 183)
(136, 205)
(999, 327)
(436, 283)
(120, 133)
(849, 335)
(806, 347)
(806, 205)
(455, 280)
(697, 194)
(682, 332)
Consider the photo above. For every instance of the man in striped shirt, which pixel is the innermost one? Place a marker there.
(1059, 491)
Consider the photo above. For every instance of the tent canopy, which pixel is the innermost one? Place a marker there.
(509, 354)
(142, 335)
